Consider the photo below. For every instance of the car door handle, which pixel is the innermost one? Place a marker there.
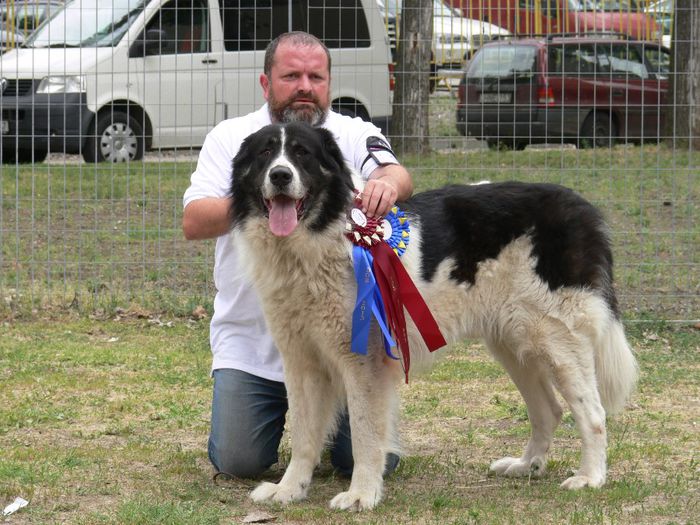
(618, 92)
(209, 61)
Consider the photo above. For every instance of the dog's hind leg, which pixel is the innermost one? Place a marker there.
(312, 407)
(534, 383)
(576, 380)
(372, 404)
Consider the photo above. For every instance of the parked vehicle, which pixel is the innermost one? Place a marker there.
(111, 80)
(583, 89)
(455, 38)
(527, 17)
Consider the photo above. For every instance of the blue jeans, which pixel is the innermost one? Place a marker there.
(247, 420)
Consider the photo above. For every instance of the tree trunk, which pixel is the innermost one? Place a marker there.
(409, 130)
(683, 115)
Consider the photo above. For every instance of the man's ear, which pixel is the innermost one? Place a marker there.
(265, 84)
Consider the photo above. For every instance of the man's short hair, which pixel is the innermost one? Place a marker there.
(296, 38)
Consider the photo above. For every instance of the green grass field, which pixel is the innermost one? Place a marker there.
(105, 421)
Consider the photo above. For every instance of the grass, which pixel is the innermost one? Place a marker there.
(105, 421)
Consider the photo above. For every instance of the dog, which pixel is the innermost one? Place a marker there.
(525, 267)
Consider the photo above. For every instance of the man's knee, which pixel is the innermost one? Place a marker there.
(241, 463)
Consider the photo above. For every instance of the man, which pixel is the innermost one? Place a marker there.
(249, 401)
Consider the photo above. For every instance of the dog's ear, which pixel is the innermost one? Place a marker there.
(244, 157)
(332, 156)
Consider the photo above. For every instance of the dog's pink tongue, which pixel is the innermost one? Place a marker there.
(283, 216)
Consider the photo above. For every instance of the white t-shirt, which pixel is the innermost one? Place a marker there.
(238, 335)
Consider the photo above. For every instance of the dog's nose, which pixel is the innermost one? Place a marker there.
(280, 176)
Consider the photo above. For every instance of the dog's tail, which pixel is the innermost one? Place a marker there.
(616, 367)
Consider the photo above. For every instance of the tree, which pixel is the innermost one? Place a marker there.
(683, 116)
(409, 125)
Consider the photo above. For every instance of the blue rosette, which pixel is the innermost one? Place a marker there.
(397, 231)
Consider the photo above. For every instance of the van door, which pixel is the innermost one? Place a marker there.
(177, 85)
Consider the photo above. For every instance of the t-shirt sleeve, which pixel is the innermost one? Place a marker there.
(212, 177)
(362, 161)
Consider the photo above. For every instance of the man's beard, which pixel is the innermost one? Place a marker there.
(282, 111)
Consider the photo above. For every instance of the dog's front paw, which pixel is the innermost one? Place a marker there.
(277, 492)
(356, 500)
(578, 482)
(518, 467)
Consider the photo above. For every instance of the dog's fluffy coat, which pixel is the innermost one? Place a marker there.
(526, 267)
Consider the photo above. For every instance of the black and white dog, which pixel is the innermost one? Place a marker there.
(526, 267)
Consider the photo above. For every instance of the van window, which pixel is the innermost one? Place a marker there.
(185, 24)
(516, 62)
(251, 24)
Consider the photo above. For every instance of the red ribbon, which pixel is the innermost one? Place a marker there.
(398, 291)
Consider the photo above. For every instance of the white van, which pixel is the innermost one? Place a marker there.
(113, 79)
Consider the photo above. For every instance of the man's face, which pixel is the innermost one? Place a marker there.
(298, 88)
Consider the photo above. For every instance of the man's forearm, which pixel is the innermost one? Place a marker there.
(206, 218)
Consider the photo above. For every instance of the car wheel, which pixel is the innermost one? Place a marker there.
(114, 137)
(598, 130)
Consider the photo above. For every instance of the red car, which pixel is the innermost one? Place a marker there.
(585, 89)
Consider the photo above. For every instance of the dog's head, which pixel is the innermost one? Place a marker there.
(291, 174)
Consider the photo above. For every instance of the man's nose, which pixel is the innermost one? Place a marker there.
(304, 83)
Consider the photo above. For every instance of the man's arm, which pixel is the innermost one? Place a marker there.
(387, 184)
(206, 218)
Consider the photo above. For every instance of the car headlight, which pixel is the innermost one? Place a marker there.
(62, 84)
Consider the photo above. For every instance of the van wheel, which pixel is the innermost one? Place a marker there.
(598, 130)
(115, 136)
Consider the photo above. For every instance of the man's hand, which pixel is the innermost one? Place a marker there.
(386, 185)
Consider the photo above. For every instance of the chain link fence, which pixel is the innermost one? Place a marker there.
(104, 107)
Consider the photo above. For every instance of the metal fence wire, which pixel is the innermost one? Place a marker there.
(104, 106)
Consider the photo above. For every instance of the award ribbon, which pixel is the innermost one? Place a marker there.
(384, 287)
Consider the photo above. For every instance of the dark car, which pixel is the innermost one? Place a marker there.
(583, 89)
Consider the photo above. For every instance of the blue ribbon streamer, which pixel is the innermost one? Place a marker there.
(369, 304)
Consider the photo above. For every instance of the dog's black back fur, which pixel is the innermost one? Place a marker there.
(474, 223)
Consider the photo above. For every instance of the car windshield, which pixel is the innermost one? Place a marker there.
(604, 5)
(87, 23)
(499, 62)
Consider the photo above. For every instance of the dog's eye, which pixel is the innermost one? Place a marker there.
(300, 151)
(265, 152)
